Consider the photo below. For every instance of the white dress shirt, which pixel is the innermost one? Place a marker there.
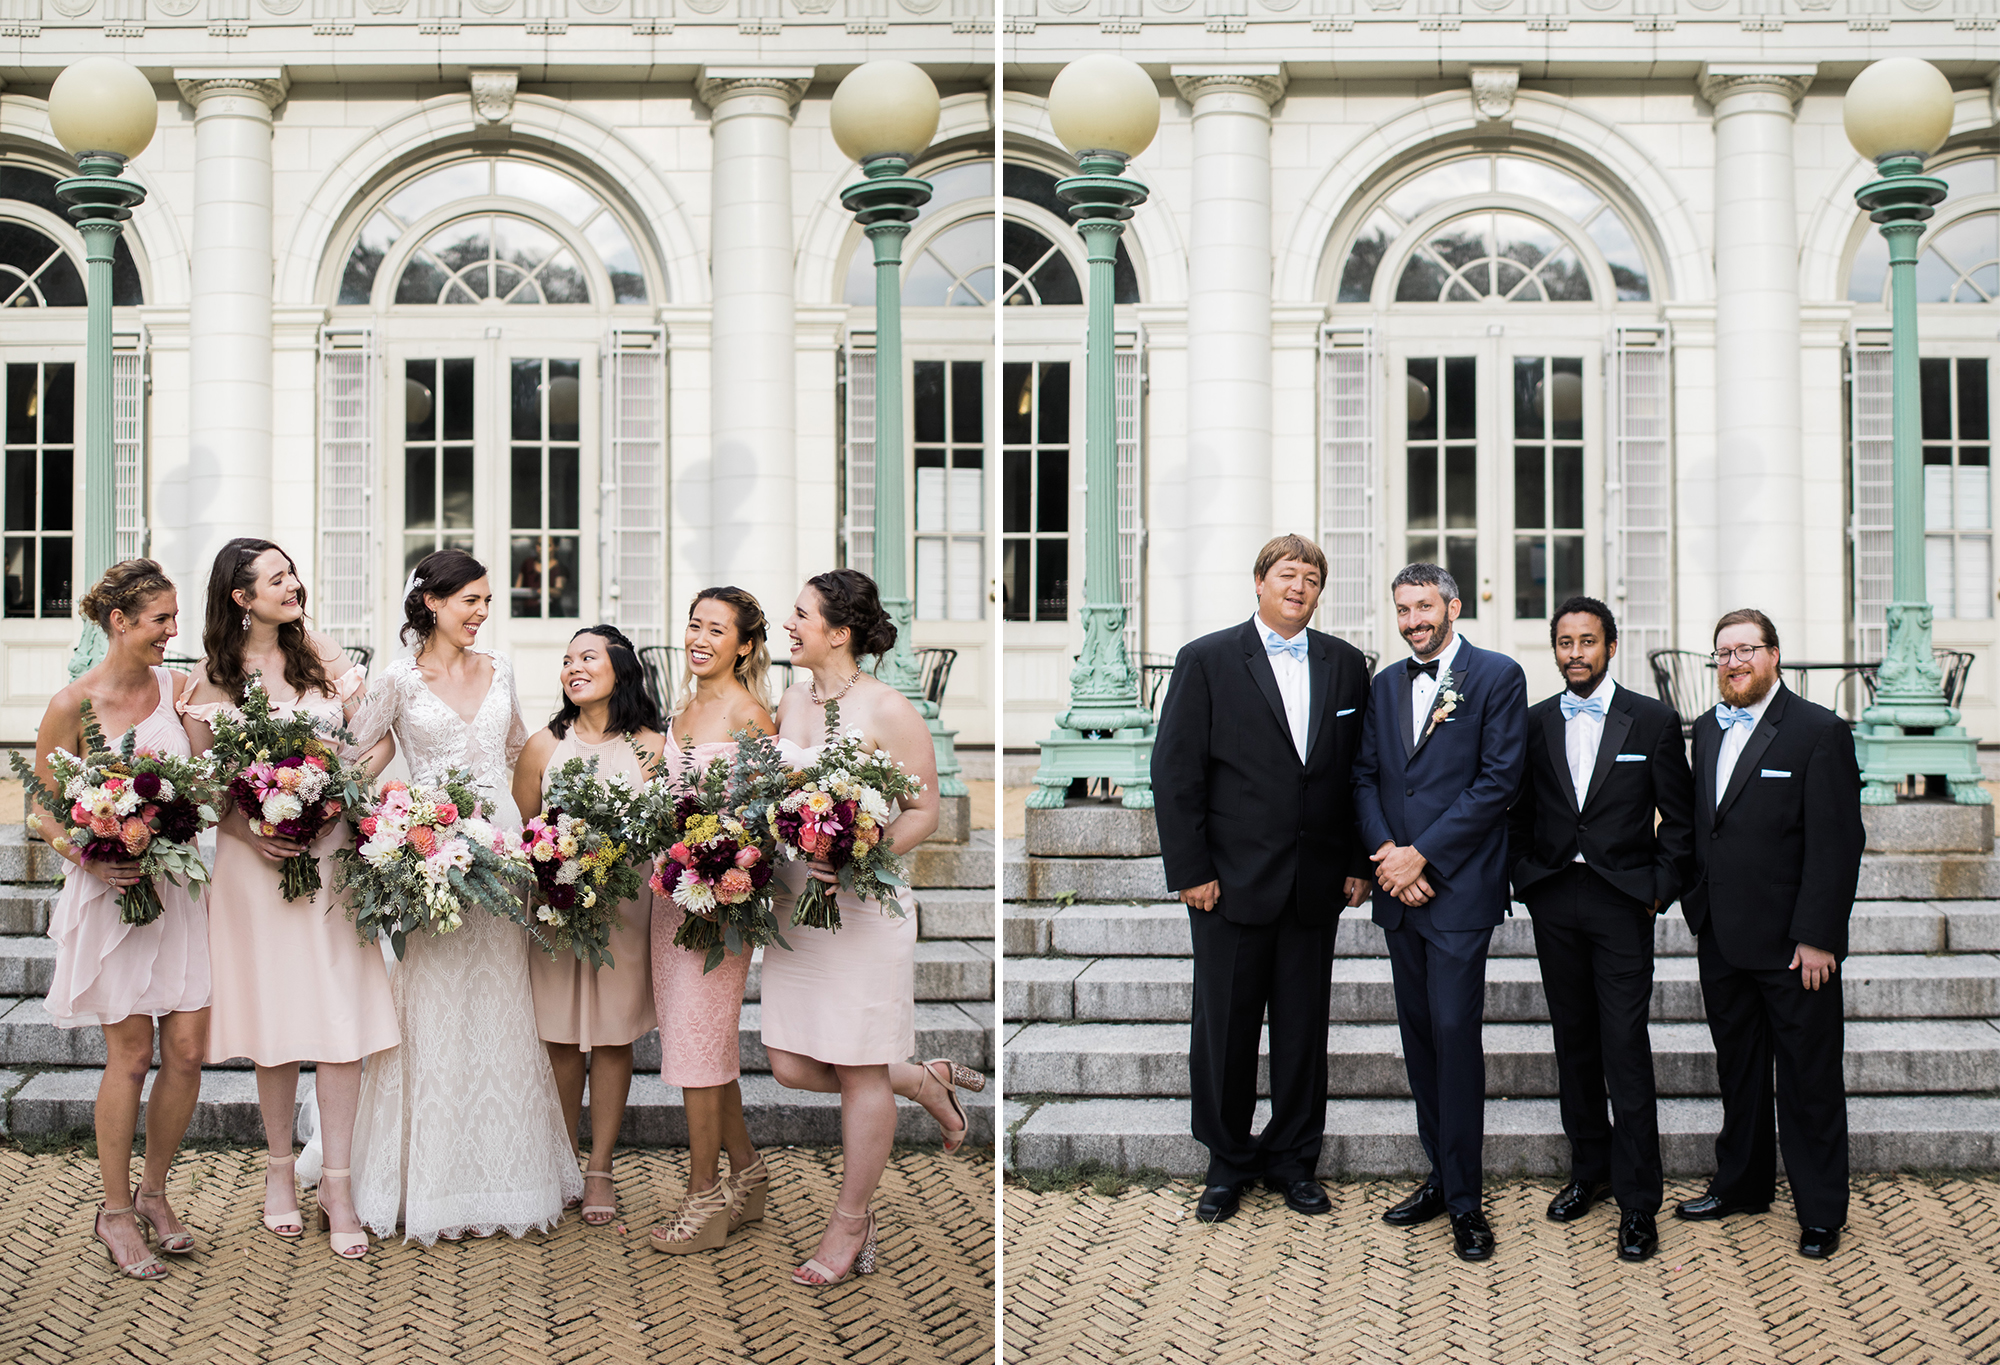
(1294, 684)
(1733, 741)
(1583, 733)
(1423, 687)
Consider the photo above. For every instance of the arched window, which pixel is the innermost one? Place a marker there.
(1960, 260)
(37, 269)
(948, 266)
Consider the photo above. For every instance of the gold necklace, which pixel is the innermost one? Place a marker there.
(812, 690)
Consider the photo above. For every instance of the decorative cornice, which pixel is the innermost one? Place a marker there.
(718, 83)
(1720, 80)
(493, 95)
(1266, 83)
(1493, 91)
(268, 84)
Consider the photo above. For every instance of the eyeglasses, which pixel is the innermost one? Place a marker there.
(1742, 654)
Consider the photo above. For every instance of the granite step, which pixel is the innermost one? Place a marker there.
(1889, 1057)
(27, 860)
(1378, 1137)
(1161, 989)
(956, 913)
(25, 906)
(965, 865)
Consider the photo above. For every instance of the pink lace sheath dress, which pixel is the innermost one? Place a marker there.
(575, 1002)
(107, 970)
(293, 980)
(701, 1012)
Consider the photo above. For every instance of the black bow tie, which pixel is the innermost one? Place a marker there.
(1430, 669)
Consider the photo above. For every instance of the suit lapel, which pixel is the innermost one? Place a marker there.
(1753, 752)
(1463, 663)
(1319, 670)
(1617, 725)
(1259, 665)
(1399, 683)
(1556, 731)
(1707, 745)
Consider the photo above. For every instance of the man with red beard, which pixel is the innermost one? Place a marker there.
(1777, 851)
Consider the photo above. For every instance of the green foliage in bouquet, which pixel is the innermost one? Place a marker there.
(718, 849)
(579, 850)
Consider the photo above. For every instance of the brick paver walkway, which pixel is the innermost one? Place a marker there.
(582, 1294)
(1136, 1278)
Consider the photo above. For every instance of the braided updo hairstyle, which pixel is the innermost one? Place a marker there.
(753, 669)
(440, 574)
(848, 600)
(126, 586)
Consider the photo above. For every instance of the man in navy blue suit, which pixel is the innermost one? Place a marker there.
(1441, 760)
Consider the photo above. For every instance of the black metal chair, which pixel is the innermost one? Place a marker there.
(363, 656)
(1155, 672)
(1372, 659)
(1685, 681)
(934, 663)
(662, 664)
(1955, 664)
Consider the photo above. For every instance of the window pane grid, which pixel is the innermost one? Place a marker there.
(1035, 451)
(437, 457)
(949, 407)
(1958, 495)
(1442, 460)
(1547, 407)
(40, 491)
(545, 513)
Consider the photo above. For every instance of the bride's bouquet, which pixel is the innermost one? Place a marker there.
(130, 805)
(425, 856)
(836, 811)
(714, 822)
(286, 776)
(578, 849)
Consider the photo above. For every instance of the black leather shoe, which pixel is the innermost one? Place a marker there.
(1573, 1200)
(1471, 1238)
(1301, 1196)
(1713, 1206)
(1422, 1206)
(1638, 1235)
(1218, 1202)
(1818, 1243)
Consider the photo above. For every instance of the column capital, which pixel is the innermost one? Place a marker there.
(265, 83)
(717, 84)
(1720, 80)
(1266, 83)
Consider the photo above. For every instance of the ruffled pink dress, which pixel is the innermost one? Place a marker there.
(575, 1002)
(107, 970)
(293, 980)
(700, 1012)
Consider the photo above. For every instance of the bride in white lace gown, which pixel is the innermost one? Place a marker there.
(460, 1130)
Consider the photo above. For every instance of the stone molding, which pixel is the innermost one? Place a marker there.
(1493, 91)
(716, 84)
(1720, 80)
(268, 84)
(493, 93)
(1266, 83)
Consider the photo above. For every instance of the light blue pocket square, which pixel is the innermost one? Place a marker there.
(1631, 758)
(1348, 712)
(1774, 772)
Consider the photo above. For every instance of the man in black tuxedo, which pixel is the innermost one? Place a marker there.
(1254, 798)
(1777, 854)
(1440, 764)
(1594, 867)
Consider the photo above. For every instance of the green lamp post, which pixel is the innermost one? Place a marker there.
(1898, 112)
(1106, 111)
(104, 113)
(883, 114)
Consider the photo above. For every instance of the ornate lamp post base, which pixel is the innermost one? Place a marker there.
(1910, 729)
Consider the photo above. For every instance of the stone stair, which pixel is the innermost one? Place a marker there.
(49, 1076)
(1099, 984)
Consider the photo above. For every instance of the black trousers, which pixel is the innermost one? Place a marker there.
(1242, 972)
(1757, 1018)
(1595, 944)
(1440, 977)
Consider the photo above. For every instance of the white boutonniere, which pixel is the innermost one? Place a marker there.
(1444, 703)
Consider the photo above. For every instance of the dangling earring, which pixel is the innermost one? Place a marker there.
(246, 620)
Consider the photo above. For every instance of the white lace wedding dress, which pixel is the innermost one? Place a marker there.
(460, 1131)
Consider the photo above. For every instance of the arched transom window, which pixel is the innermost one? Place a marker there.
(36, 268)
(948, 266)
(1960, 260)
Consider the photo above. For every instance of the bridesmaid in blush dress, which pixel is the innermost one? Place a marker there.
(839, 1010)
(293, 981)
(589, 1017)
(122, 977)
(728, 657)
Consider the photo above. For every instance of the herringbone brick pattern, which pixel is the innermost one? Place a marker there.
(583, 1295)
(1136, 1278)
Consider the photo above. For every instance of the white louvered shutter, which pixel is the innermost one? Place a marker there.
(344, 590)
(1870, 391)
(1129, 394)
(1639, 491)
(1348, 430)
(132, 537)
(633, 535)
(858, 450)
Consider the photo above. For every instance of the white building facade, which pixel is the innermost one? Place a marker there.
(1568, 295)
(564, 284)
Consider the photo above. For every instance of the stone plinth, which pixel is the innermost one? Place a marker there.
(1928, 827)
(954, 820)
(1093, 829)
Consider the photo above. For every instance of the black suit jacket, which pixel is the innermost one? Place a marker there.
(1777, 861)
(1641, 767)
(1233, 801)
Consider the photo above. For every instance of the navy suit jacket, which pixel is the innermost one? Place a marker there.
(1449, 794)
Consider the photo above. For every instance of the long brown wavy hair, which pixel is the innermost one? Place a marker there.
(222, 632)
(752, 669)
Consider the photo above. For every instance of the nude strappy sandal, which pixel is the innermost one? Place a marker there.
(276, 1223)
(609, 1211)
(959, 1078)
(349, 1246)
(173, 1243)
(863, 1264)
(747, 1189)
(149, 1269)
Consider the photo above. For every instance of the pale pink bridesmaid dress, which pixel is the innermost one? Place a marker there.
(700, 1012)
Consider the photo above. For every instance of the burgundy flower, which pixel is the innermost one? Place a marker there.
(147, 785)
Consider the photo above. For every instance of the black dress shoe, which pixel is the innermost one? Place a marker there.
(1638, 1235)
(1573, 1200)
(1818, 1243)
(1471, 1238)
(1218, 1202)
(1713, 1206)
(1422, 1206)
(1301, 1196)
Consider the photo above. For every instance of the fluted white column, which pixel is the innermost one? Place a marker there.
(753, 431)
(1759, 484)
(1229, 332)
(229, 318)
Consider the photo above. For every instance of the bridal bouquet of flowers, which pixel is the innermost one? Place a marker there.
(425, 855)
(836, 811)
(578, 848)
(130, 805)
(719, 849)
(286, 776)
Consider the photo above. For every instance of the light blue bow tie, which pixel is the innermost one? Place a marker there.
(1296, 646)
(1727, 716)
(1574, 706)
